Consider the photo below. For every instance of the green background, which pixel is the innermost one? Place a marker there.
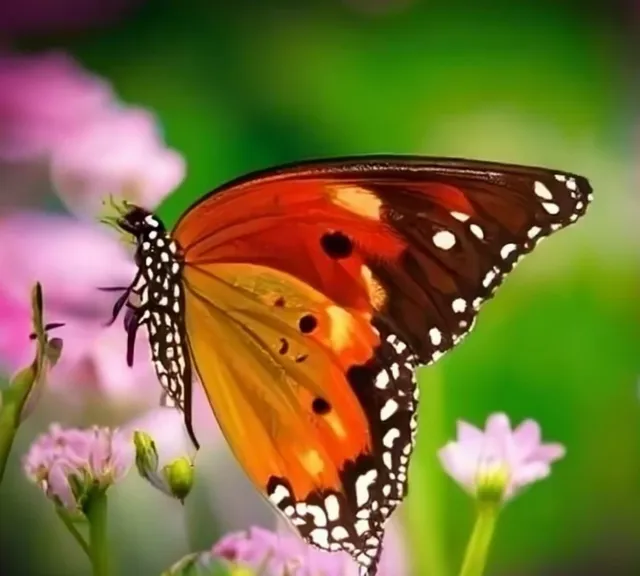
(241, 86)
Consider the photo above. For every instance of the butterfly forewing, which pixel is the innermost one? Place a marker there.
(392, 257)
(423, 241)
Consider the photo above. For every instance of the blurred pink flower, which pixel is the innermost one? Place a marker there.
(519, 453)
(283, 550)
(94, 147)
(53, 113)
(119, 153)
(38, 16)
(44, 99)
(67, 463)
(71, 260)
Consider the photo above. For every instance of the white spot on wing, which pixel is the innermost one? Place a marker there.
(444, 239)
(460, 216)
(542, 191)
(534, 231)
(436, 336)
(477, 231)
(459, 305)
(506, 250)
(362, 486)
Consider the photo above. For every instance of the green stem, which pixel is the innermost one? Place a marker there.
(12, 401)
(475, 558)
(96, 512)
(74, 531)
(7, 435)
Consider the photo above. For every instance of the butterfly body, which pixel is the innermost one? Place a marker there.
(306, 296)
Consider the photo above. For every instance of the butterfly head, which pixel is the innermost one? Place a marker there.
(139, 222)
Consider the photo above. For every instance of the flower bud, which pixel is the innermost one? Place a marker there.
(179, 476)
(171, 471)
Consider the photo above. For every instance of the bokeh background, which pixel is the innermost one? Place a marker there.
(243, 85)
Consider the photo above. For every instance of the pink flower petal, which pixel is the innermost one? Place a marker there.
(121, 154)
(71, 260)
(499, 439)
(527, 437)
(529, 473)
(44, 99)
(468, 433)
(57, 484)
(549, 452)
(498, 427)
(460, 462)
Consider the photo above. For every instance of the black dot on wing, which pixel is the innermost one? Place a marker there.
(320, 406)
(307, 323)
(284, 346)
(336, 245)
(279, 302)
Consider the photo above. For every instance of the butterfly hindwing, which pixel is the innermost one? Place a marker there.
(317, 403)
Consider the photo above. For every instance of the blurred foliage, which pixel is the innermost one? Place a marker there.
(250, 85)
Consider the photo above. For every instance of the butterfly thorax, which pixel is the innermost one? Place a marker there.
(155, 299)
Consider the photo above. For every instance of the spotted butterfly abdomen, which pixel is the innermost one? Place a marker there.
(155, 299)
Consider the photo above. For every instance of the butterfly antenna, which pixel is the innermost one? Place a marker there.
(113, 288)
(113, 209)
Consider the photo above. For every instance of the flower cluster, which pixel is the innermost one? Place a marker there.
(69, 463)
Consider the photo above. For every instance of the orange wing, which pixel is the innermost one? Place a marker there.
(419, 242)
(289, 384)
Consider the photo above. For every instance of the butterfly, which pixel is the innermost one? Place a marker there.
(304, 297)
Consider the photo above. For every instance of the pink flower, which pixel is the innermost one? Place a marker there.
(518, 456)
(71, 260)
(119, 153)
(54, 113)
(94, 147)
(67, 463)
(43, 101)
(284, 550)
